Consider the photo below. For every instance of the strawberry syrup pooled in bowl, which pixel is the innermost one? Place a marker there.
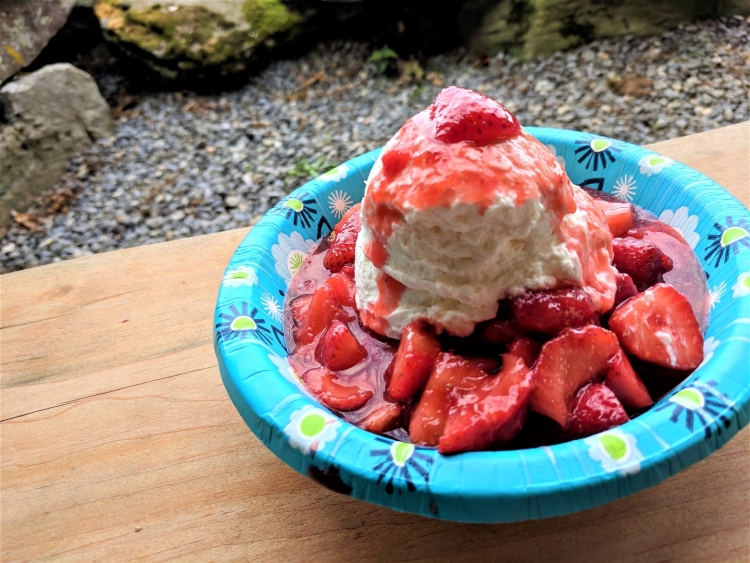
(491, 335)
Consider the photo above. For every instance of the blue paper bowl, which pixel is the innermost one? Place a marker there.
(692, 421)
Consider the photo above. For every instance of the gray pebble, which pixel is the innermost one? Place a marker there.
(184, 165)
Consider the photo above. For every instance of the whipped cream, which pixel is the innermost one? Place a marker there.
(460, 227)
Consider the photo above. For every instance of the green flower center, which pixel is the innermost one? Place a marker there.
(331, 172)
(689, 398)
(401, 452)
(616, 447)
(732, 235)
(239, 275)
(294, 261)
(746, 282)
(312, 425)
(656, 160)
(598, 145)
(294, 204)
(243, 323)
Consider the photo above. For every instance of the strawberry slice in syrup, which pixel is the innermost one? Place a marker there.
(659, 326)
(333, 393)
(595, 410)
(566, 364)
(413, 361)
(492, 412)
(341, 251)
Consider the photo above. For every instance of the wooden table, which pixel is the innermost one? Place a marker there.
(119, 441)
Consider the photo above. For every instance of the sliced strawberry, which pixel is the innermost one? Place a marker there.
(525, 348)
(492, 412)
(619, 216)
(659, 326)
(595, 410)
(550, 311)
(499, 331)
(339, 349)
(429, 416)
(413, 361)
(625, 288)
(385, 418)
(625, 384)
(567, 363)
(353, 210)
(344, 288)
(464, 115)
(642, 260)
(327, 387)
(656, 227)
(322, 309)
(688, 275)
(487, 364)
(348, 271)
(341, 251)
(298, 309)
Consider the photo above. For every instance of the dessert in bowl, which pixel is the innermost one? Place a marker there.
(520, 481)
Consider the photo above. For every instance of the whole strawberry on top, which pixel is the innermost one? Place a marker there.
(464, 115)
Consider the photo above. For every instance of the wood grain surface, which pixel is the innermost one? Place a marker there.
(118, 441)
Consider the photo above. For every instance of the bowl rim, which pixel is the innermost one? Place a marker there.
(507, 485)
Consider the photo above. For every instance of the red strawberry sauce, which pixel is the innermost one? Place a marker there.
(371, 375)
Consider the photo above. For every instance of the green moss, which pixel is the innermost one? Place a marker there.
(528, 28)
(189, 32)
(268, 17)
(190, 38)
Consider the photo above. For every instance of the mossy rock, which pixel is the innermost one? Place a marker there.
(26, 26)
(185, 40)
(527, 28)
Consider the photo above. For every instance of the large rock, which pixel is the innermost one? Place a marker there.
(26, 26)
(527, 28)
(185, 40)
(49, 115)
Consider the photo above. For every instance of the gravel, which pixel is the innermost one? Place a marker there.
(184, 165)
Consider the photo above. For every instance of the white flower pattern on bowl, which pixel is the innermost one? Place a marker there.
(681, 220)
(339, 202)
(559, 158)
(625, 187)
(239, 276)
(287, 372)
(311, 428)
(741, 288)
(289, 253)
(716, 293)
(616, 451)
(654, 164)
(709, 345)
(336, 174)
(271, 306)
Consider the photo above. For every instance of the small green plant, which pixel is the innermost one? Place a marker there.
(384, 58)
(412, 71)
(307, 169)
(417, 92)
